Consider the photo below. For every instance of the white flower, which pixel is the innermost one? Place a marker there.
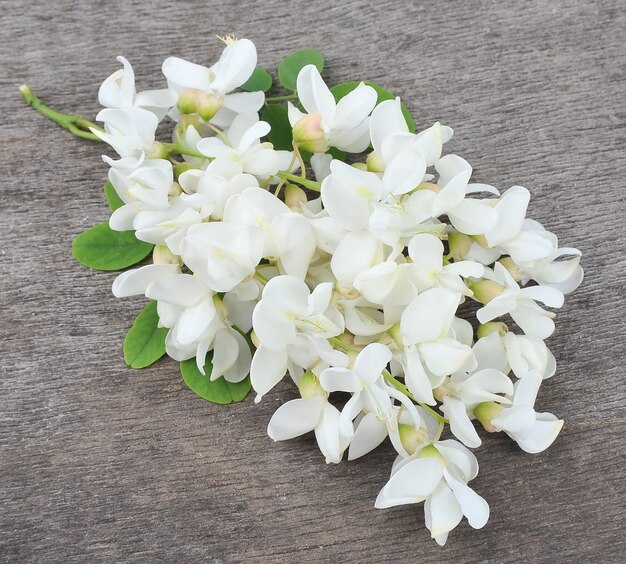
(510, 211)
(130, 131)
(536, 251)
(520, 304)
(291, 317)
(312, 412)
(188, 308)
(467, 215)
(344, 124)
(118, 91)
(369, 391)
(288, 238)
(462, 392)
(391, 139)
(350, 195)
(222, 254)
(142, 184)
(532, 431)
(211, 188)
(525, 354)
(234, 67)
(242, 144)
(437, 474)
(425, 329)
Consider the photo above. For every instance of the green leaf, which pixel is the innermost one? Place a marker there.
(341, 90)
(102, 248)
(145, 341)
(280, 135)
(113, 199)
(260, 80)
(217, 391)
(291, 65)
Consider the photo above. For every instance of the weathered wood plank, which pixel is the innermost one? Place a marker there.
(102, 463)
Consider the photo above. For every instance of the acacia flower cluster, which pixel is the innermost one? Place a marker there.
(403, 299)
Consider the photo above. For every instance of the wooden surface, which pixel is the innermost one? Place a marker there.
(100, 463)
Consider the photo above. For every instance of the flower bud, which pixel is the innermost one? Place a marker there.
(412, 438)
(162, 255)
(255, 339)
(485, 290)
(459, 245)
(485, 329)
(188, 101)
(209, 105)
(374, 162)
(513, 269)
(486, 412)
(308, 134)
(157, 151)
(309, 386)
(195, 101)
(295, 196)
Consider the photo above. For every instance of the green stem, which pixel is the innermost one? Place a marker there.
(75, 124)
(401, 387)
(293, 96)
(310, 184)
(174, 148)
(341, 344)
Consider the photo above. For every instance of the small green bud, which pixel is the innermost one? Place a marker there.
(255, 339)
(209, 105)
(195, 101)
(162, 255)
(492, 327)
(459, 245)
(374, 162)
(188, 101)
(513, 269)
(486, 412)
(308, 134)
(295, 196)
(485, 290)
(309, 386)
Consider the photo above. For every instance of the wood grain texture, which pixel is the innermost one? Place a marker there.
(100, 463)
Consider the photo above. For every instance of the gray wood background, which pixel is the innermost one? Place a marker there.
(100, 463)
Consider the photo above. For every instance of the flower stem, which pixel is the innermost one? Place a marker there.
(341, 344)
(401, 387)
(293, 96)
(310, 184)
(75, 124)
(175, 148)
